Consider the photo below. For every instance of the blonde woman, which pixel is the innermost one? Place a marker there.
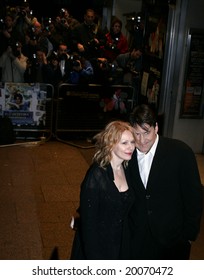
(106, 197)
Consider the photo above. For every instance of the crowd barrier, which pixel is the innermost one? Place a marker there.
(88, 108)
(38, 113)
(30, 109)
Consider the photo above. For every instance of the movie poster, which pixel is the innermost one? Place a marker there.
(24, 104)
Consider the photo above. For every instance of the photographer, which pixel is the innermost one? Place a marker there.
(13, 64)
(7, 32)
(82, 70)
(36, 38)
(65, 24)
(116, 42)
(39, 69)
(130, 65)
(66, 20)
(24, 20)
(88, 38)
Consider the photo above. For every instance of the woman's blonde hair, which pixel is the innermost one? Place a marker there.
(107, 139)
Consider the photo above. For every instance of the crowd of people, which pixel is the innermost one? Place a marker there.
(62, 49)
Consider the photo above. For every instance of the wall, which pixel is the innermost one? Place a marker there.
(121, 7)
(189, 130)
(186, 14)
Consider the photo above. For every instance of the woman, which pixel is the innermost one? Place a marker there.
(106, 197)
(116, 41)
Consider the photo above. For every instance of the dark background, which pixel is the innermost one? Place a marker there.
(51, 8)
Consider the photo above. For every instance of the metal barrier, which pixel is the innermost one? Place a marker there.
(83, 109)
(30, 108)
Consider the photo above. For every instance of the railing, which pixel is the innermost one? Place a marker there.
(76, 109)
(30, 108)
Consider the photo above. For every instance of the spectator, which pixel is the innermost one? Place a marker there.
(8, 34)
(24, 20)
(116, 42)
(55, 35)
(65, 63)
(66, 20)
(38, 39)
(82, 71)
(88, 38)
(39, 70)
(128, 67)
(13, 64)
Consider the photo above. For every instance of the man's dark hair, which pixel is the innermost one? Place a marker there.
(143, 114)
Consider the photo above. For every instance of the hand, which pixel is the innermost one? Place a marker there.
(10, 53)
(80, 47)
(96, 41)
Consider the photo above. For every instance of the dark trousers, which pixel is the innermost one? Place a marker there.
(147, 248)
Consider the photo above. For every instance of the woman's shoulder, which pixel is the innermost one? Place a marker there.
(97, 173)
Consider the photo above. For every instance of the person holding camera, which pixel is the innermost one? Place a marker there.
(13, 64)
(39, 69)
(7, 32)
(129, 67)
(66, 20)
(24, 20)
(64, 63)
(37, 38)
(82, 70)
(65, 24)
(116, 42)
(88, 37)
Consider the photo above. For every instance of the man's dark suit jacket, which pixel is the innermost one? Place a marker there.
(170, 207)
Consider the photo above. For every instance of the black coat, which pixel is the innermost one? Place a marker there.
(169, 210)
(103, 232)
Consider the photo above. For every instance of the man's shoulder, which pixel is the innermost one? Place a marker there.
(173, 143)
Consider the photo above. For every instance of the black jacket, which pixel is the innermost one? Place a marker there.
(104, 232)
(171, 205)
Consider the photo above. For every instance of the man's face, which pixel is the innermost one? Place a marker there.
(145, 138)
(62, 49)
(136, 54)
(89, 17)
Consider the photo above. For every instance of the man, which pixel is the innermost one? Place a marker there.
(167, 211)
(13, 64)
(128, 67)
(88, 37)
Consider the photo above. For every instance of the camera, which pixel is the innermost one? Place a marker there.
(2, 24)
(76, 63)
(93, 45)
(32, 33)
(63, 21)
(15, 48)
(75, 60)
(63, 56)
(53, 56)
(22, 13)
(62, 12)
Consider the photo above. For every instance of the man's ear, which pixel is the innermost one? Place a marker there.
(156, 128)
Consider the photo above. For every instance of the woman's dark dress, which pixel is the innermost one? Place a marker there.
(103, 232)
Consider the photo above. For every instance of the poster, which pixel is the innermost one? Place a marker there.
(24, 104)
(192, 101)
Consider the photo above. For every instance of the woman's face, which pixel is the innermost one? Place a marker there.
(116, 28)
(124, 148)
